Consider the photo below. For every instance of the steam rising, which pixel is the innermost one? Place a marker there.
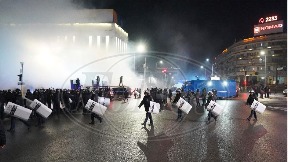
(50, 57)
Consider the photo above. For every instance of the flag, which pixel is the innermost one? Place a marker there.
(40, 108)
(17, 111)
(183, 105)
(257, 106)
(154, 107)
(215, 108)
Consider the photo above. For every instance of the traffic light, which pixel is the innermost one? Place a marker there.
(164, 70)
(245, 82)
(20, 77)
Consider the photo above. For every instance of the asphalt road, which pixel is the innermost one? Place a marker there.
(121, 137)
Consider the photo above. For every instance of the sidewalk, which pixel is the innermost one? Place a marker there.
(272, 97)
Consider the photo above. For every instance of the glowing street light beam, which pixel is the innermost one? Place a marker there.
(141, 48)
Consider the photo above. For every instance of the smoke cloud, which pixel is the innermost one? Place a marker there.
(52, 59)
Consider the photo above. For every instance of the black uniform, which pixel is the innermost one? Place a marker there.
(56, 101)
(210, 114)
(19, 101)
(146, 102)
(2, 135)
(177, 97)
(2, 101)
(250, 100)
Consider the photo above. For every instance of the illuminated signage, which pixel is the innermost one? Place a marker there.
(268, 19)
(268, 28)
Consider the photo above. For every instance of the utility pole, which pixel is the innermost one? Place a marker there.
(21, 81)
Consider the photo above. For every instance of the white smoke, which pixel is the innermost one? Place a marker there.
(51, 60)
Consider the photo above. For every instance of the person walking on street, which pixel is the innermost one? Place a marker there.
(197, 96)
(177, 97)
(126, 95)
(249, 101)
(93, 115)
(210, 114)
(146, 102)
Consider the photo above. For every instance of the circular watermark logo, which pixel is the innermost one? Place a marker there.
(118, 115)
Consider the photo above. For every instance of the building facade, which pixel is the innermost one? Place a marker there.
(53, 45)
(245, 62)
(93, 28)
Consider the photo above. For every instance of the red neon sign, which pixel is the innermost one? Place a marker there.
(268, 19)
(268, 28)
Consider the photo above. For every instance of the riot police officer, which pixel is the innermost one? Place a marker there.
(146, 102)
(249, 101)
(176, 99)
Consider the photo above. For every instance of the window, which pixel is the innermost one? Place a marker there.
(90, 40)
(98, 41)
(107, 41)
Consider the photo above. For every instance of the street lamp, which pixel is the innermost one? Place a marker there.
(21, 82)
(161, 62)
(141, 48)
(205, 71)
(263, 53)
(212, 72)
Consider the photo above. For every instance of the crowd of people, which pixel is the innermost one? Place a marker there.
(60, 100)
(264, 91)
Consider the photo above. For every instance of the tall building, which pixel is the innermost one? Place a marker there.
(93, 28)
(52, 45)
(261, 59)
(244, 61)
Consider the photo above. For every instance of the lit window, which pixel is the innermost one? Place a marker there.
(120, 45)
(116, 43)
(73, 38)
(90, 40)
(107, 41)
(98, 41)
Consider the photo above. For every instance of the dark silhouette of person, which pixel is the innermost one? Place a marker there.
(2, 135)
(121, 81)
(146, 102)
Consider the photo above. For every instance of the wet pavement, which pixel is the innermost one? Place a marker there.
(121, 137)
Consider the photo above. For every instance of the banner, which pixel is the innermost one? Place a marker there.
(40, 108)
(17, 111)
(257, 106)
(154, 107)
(215, 108)
(183, 105)
(95, 107)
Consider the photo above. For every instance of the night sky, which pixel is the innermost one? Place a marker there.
(196, 28)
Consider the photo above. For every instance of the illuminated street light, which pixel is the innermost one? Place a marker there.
(141, 48)
(205, 71)
(263, 53)
(207, 60)
(161, 62)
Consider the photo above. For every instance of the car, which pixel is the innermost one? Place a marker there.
(285, 92)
